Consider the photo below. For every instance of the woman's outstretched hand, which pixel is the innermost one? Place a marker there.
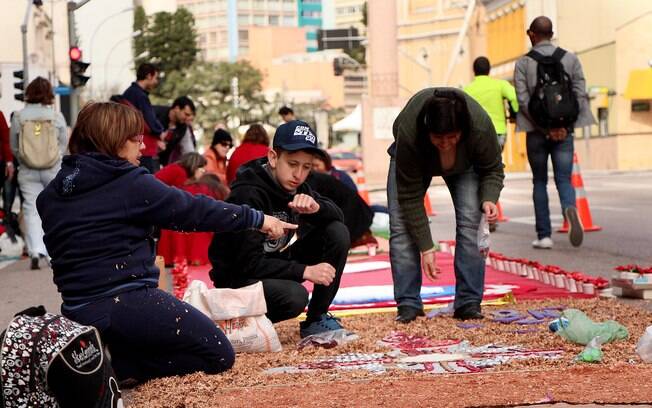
(275, 228)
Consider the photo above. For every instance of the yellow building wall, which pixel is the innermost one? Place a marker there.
(506, 36)
(633, 45)
(506, 42)
(427, 33)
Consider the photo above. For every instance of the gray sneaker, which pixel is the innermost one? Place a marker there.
(575, 228)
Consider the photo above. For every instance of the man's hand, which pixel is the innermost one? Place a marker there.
(490, 211)
(275, 228)
(160, 144)
(321, 274)
(428, 264)
(9, 170)
(557, 135)
(304, 204)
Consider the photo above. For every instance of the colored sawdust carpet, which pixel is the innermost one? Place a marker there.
(546, 373)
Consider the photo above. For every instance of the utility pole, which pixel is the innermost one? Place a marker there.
(73, 40)
(23, 31)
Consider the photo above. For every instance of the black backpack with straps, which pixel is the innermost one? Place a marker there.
(553, 103)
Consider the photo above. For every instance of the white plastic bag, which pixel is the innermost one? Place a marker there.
(251, 334)
(10, 249)
(240, 313)
(483, 236)
(644, 346)
(225, 304)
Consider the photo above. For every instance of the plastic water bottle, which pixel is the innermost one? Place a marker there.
(557, 324)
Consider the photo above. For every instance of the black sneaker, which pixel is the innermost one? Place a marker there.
(407, 314)
(34, 264)
(470, 311)
(575, 228)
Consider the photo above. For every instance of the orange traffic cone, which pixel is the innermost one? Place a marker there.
(427, 205)
(501, 215)
(581, 202)
(362, 187)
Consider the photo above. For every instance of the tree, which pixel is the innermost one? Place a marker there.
(139, 43)
(209, 85)
(170, 39)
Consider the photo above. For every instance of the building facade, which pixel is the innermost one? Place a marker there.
(47, 47)
(349, 13)
(211, 21)
(310, 17)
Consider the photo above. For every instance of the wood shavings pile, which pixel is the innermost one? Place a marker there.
(619, 378)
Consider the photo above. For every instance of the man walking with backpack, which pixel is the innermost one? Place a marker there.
(551, 93)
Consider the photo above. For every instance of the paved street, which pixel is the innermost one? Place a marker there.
(620, 203)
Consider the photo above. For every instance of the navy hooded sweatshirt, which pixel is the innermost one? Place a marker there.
(98, 215)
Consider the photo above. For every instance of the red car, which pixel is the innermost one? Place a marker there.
(346, 160)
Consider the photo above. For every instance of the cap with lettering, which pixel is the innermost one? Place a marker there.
(295, 135)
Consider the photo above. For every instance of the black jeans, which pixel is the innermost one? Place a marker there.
(152, 334)
(9, 187)
(286, 299)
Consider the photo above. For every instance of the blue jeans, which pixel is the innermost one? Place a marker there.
(539, 147)
(404, 254)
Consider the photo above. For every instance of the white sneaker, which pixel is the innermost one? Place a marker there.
(543, 243)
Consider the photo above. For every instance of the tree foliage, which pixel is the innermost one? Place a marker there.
(169, 38)
(209, 85)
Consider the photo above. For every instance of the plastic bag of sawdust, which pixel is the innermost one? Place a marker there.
(328, 339)
(240, 313)
(644, 346)
(581, 330)
(252, 334)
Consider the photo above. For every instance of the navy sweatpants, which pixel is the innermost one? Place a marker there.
(152, 334)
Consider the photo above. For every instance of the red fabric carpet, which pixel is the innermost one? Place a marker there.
(522, 289)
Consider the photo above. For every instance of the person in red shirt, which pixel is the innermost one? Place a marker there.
(193, 247)
(190, 167)
(254, 146)
(216, 154)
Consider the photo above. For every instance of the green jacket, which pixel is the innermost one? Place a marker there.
(489, 93)
(417, 161)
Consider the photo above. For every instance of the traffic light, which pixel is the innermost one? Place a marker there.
(20, 85)
(77, 68)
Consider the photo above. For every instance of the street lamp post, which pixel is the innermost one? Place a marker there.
(92, 41)
(108, 57)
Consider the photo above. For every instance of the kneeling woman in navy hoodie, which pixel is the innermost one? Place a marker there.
(98, 215)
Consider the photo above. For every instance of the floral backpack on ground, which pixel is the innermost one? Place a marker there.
(47, 360)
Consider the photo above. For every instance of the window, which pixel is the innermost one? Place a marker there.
(273, 20)
(289, 21)
(243, 19)
(259, 20)
(243, 35)
(212, 37)
(311, 13)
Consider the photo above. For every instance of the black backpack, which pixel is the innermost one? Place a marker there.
(47, 360)
(554, 103)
